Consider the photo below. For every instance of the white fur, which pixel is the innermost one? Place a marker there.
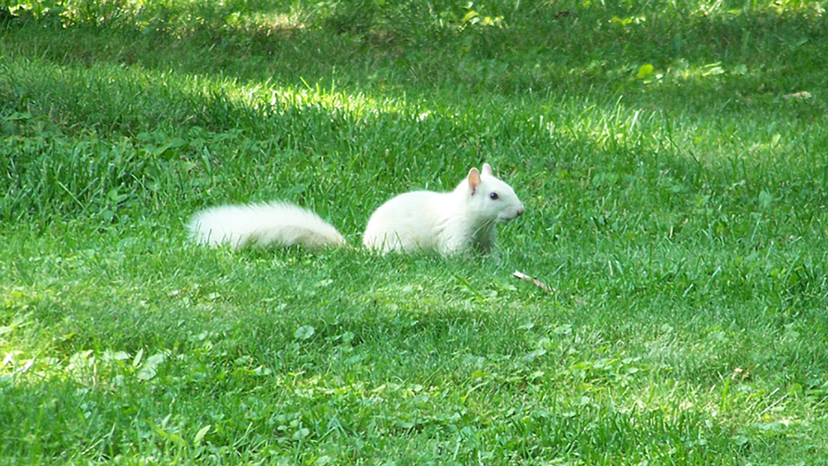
(449, 223)
(275, 223)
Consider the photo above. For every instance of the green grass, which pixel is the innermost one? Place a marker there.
(675, 181)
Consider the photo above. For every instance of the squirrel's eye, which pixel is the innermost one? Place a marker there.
(493, 196)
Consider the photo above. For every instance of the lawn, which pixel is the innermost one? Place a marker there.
(672, 157)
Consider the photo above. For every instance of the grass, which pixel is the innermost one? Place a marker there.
(671, 157)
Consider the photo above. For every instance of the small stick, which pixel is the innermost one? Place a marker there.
(534, 281)
(549, 289)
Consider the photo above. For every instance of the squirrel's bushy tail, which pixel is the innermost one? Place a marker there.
(266, 224)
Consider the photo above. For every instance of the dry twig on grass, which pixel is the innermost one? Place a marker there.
(543, 286)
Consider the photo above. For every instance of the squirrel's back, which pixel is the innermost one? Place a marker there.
(408, 222)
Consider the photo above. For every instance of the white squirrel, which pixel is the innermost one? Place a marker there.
(450, 222)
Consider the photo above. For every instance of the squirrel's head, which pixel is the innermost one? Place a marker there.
(489, 198)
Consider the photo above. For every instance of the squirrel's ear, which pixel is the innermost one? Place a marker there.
(474, 179)
(487, 170)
